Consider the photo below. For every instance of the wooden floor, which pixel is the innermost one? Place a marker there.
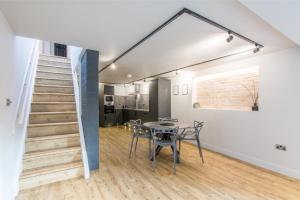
(120, 178)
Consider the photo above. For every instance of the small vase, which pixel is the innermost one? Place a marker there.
(255, 107)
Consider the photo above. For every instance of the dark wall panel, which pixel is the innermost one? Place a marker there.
(90, 105)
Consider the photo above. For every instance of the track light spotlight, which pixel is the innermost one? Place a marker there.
(176, 72)
(230, 37)
(144, 80)
(256, 49)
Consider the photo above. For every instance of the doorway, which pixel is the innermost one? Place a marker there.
(60, 50)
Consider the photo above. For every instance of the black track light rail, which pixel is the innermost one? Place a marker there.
(192, 13)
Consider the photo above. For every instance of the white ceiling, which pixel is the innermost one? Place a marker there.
(185, 41)
(113, 26)
(284, 15)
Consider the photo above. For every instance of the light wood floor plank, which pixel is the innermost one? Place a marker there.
(220, 178)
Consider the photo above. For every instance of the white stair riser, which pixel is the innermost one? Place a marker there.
(52, 107)
(50, 89)
(52, 118)
(42, 74)
(52, 98)
(44, 179)
(42, 81)
(54, 69)
(52, 58)
(54, 63)
(40, 145)
(54, 159)
(38, 131)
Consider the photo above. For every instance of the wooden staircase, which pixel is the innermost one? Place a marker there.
(52, 149)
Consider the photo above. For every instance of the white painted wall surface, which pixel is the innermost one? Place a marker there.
(251, 136)
(14, 52)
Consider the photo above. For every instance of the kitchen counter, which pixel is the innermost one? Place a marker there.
(127, 114)
(134, 109)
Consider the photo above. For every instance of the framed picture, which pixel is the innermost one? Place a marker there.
(185, 89)
(175, 89)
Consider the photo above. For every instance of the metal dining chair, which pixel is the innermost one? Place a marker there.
(138, 131)
(164, 137)
(167, 119)
(192, 133)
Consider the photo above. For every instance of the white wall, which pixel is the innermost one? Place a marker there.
(14, 53)
(251, 136)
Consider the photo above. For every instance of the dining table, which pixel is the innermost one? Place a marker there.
(166, 125)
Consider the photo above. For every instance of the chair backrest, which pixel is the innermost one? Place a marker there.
(167, 119)
(136, 125)
(198, 126)
(164, 133)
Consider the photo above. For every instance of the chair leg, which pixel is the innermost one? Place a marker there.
(154, 157)
(149, 152)
(175, 157)
(136, 142)
(133, 136)
(200, 149)
(179, 146)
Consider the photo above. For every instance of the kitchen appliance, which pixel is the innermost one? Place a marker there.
(109, 100)
(109, 104)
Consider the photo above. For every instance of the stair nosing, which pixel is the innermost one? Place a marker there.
(61, 79)
(54, 72)
(53, 56)
(58, 61)
(47, 102)
(43, 170)
(53, 113)
(63, 67)
(52, 137)
(61, 86)
(52, 124)
(41, 153)
(54, 93)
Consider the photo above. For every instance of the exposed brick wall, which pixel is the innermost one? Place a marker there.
(226, 91)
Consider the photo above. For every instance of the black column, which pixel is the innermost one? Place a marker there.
(90, 105)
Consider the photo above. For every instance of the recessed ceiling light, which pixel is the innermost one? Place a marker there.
(129, 76)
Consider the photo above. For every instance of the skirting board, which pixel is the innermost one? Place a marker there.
(257, 162)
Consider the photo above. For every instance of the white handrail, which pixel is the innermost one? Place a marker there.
(27, 86)
(82, 140)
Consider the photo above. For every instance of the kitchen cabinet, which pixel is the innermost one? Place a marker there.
(120, 90)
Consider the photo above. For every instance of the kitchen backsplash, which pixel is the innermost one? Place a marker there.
(140, 101)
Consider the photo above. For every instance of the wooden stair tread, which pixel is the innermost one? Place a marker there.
(50, 152)
(43, 71)
(52, 113)
(52, 124)
(49, 65)
(51, 137)
(59, 86)
(49, 93)
(50, 169)
(59, 60)
(53, 56)
(61, 79)
(63, 102)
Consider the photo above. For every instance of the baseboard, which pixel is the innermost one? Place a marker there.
(255, 161)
